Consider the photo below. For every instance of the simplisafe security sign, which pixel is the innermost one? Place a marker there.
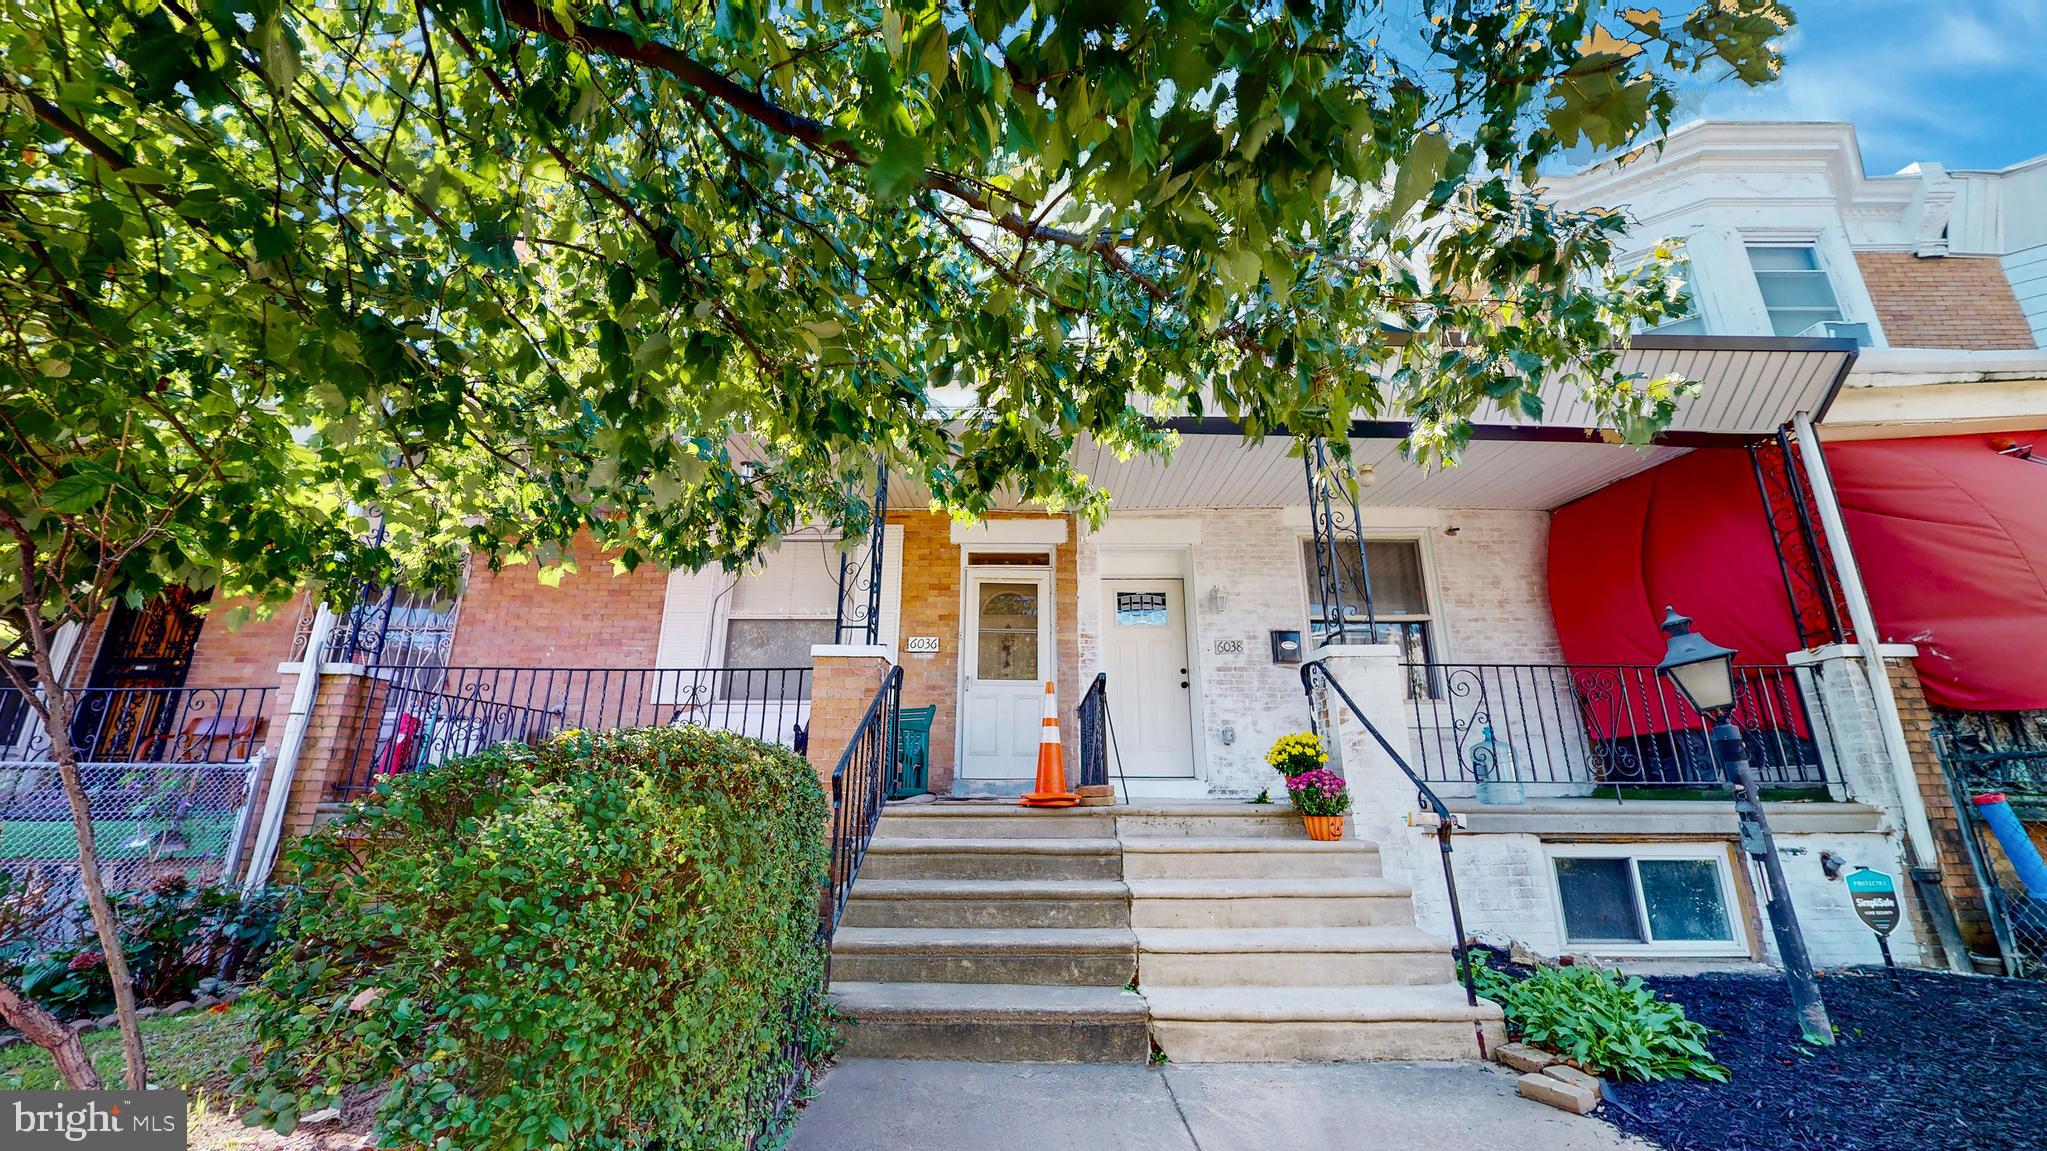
(93, 1120)
(1875, 896)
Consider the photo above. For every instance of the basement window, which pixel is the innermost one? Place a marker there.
(1646, 898)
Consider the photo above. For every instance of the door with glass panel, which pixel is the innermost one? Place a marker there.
(1007, 655)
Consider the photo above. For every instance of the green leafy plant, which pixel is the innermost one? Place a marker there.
(180, 941)
(607, 941)
(1607, 1024)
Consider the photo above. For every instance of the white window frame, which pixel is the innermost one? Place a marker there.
(1820, 265)
(1438, 652)
(722, 653)
(1716, 852)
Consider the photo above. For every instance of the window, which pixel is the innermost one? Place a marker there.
(1796, 291)
(1686, 321)
(1647, 899)
(1400, 595)
(778, 612)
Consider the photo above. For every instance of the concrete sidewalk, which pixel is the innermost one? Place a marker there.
(891, 1105)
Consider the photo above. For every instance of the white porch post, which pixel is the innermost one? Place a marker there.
(1911, 804)
(1382, 797)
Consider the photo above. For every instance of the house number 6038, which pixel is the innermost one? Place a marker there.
(1229, 647)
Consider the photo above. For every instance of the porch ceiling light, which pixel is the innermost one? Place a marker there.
(1702, 670)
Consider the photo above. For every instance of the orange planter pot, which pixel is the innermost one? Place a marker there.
(1324, 828)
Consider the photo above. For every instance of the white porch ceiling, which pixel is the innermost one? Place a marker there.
(1749, 386)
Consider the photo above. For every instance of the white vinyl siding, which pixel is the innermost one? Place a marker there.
(2027, 271)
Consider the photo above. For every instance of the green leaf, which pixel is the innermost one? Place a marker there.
(74, 494)
(1418, 172)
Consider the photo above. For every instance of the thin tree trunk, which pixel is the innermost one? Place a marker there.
(57, 719)
(45, 1031)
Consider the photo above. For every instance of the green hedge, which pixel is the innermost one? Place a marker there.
(600, 942)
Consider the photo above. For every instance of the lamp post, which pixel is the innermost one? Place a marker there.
(1703, 672)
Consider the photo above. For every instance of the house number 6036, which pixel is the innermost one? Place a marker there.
(921, 644)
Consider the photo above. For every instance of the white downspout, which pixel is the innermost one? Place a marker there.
(1918, 832)
(278, 800)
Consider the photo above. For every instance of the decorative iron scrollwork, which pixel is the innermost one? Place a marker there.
(858, 620)
(1339, 547)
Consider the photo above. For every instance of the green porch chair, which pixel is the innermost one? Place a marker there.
(913, 752)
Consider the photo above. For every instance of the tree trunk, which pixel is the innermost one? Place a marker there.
(57, 719)
(45, 1031)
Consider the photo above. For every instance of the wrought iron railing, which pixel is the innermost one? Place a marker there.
(1606, 730)
(860, 784)
(2018, 917)
(1316, 680)
(416, 717)
(121, 725)
(1095, 734)
(858, 615)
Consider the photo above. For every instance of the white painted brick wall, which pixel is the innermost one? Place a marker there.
(1488, 583)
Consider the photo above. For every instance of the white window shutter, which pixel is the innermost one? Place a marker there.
(891, 587)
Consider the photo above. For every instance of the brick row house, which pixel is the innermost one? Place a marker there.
(1496, 623)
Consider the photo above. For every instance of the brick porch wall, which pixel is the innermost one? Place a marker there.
(932, 575)
(1957, 878)
(1944, 301)
(593, 618)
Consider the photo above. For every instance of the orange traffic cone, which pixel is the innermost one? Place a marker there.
(1051, 790)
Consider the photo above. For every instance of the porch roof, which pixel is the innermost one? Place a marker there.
(1749, 386)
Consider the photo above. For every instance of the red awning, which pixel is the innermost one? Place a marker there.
(1952, 539)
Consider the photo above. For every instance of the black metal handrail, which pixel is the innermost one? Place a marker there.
(1425, 797)
(414, 717)
(1097, 736)
(1593, 726)
(860, 784)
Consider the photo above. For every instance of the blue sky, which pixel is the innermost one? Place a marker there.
(1961, 82)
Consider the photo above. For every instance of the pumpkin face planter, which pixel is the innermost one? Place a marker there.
(1321, 797)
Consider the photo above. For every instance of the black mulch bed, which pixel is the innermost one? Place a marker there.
(1942, 1063)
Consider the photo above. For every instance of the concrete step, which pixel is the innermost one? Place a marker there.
(988, 903)
(1211, 821)
(992, 1022)
(994, 821)
(1364, 901)
(1290, 957)
(935, 857)
(1319, 1024)
(1194, 857)
(1092, 957)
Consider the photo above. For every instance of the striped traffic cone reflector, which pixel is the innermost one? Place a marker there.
(1051, 789)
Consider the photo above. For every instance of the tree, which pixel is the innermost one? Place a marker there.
(498, 271)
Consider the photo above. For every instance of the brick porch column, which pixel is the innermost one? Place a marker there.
(1957, 877)
(843, 680)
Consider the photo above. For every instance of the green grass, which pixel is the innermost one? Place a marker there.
(118, 838)
(191, 1052)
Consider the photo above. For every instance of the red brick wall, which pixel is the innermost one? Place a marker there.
(1944, 301)
(1957, 878)
(592, 619)
(931, 606)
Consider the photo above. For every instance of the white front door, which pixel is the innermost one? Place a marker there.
(1144, 650)
(1007, 655)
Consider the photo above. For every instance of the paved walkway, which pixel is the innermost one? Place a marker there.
(890, 1105)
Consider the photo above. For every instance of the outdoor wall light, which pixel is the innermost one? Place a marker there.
(1218, 599)
(1701, 670)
